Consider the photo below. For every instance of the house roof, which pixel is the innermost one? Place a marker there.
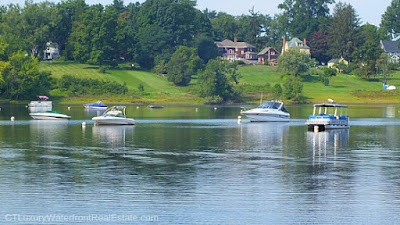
(231, 44)
(335, 60)
(390, 46)
(297, 43)
(267, 49)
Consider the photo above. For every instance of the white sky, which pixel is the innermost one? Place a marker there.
(368, 10)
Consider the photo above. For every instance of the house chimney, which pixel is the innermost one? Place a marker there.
(305, 41)
(284, 44)
(235, 39)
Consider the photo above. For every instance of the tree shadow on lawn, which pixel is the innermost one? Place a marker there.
(310, 78)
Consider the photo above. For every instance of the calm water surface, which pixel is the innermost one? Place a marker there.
(198, 165)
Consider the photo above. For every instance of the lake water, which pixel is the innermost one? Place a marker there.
(198, 165)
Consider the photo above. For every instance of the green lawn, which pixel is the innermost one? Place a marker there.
(156, 88)
(343, 88)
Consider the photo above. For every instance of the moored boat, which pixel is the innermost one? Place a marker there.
(49, 115)
(43, 101)
(96, 105)
(114, 116)
(268, 111)
(328, 116)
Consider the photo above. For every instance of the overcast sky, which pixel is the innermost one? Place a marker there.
(368, 10)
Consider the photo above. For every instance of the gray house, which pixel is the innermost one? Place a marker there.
(391, 48)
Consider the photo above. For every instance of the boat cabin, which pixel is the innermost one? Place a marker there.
(273, 105)
(324, 110)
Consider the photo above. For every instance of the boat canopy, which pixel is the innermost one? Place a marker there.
(323, 109)
(43, 97)
(330, 105)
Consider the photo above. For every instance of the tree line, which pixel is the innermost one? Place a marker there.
(173, 37)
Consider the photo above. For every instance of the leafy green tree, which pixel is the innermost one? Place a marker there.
(166, 24)
(69, 11)
(319, 46)
(369, 51)
(224, 26)
(303, 17)
(344, 32)
(183, 64)
(38, 31)
(250, 27)
(125, 37)
(383, 66)
(218, 80)
(85, 34)
(3, 48)
(206, 48)
(22, 78)
(293, 88)
(390, 22)
(29, 28)
(294, 62)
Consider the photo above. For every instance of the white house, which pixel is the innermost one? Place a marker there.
(51, 51)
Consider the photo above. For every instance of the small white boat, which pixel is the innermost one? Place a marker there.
(114, 116)
(96, 105)
(49, 115)
(328, 116)
(43, 101)
(268, 111)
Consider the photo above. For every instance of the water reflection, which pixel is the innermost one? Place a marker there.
(47, 131)
(327, 142)
(112, 136)
(266, 133)
(390, 112)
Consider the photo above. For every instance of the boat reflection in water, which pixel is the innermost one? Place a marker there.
(328, 142)
(263, 135)
(113, 136)
(48, 131)
(390, 112)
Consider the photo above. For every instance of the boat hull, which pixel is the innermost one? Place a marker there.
(267, 117)
(324, 124)
(101, 120)
(95, 107)
(49, 116)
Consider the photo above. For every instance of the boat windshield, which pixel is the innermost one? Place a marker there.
(270, 105)
(114, 113)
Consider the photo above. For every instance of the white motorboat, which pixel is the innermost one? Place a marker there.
(43, 101)
(328, 116)
(268, 111)
(114, 116)
(49, 115)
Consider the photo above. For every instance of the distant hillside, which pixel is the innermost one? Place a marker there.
(254, 81)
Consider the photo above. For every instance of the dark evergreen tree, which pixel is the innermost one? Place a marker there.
(344, 32)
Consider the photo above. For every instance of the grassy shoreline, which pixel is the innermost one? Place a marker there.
(254, 80)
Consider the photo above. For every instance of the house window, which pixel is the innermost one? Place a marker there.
(272, 53)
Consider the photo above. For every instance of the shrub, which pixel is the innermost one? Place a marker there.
(277, 90)
(293, 88)
(82, 86)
